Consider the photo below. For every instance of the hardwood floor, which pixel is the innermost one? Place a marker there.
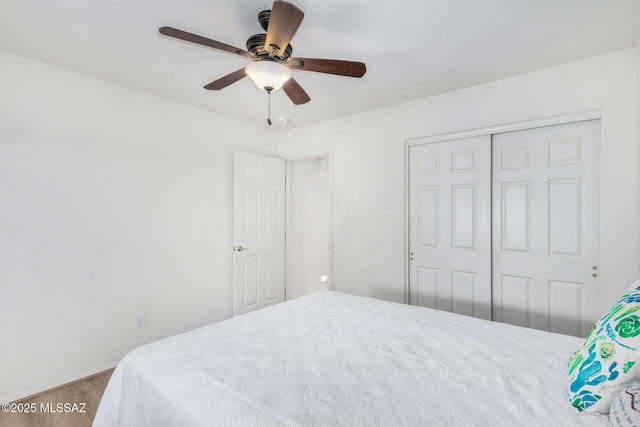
(73, 405)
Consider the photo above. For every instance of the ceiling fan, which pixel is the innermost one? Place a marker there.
(271, 55)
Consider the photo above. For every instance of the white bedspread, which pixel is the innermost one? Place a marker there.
(331, 359)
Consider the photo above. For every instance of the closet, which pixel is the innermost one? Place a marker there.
(506, 226)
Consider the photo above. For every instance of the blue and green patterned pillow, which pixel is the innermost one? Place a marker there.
(606, 363)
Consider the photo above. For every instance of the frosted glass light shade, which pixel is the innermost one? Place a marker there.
(268, 75)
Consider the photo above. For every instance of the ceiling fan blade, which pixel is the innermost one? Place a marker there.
(328, 66)
(295, 92)
(283, 23)
(203, 41)
(227, 80)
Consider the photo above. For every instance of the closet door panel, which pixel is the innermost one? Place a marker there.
(450, 226)
(546, 222)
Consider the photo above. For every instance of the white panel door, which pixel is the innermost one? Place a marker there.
(450, 226)
(258, 232)
(546, 227)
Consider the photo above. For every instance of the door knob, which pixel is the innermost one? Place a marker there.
(239, 248)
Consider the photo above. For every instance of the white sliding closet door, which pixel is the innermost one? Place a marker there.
(507, 226)
(546, 227)
(450, 225)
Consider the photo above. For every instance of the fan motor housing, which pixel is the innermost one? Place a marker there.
(263, 19)
(256, 45)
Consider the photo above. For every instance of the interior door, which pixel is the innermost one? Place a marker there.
(258, 232)
(450, 225)
(546, 222)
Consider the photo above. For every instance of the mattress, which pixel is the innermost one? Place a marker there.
(332, 359)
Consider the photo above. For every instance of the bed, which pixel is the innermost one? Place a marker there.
(333, 359)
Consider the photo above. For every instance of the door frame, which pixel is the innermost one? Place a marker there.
(288, 249)
(600, 114)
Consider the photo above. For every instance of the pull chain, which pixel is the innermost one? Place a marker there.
(269, 105)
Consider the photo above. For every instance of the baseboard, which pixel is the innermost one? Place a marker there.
(49, 387)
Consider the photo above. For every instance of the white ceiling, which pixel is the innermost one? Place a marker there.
(412, 48)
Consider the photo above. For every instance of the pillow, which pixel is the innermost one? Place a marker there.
(625, 409)
(606, 363)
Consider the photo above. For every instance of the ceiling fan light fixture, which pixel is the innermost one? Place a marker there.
(268, 75)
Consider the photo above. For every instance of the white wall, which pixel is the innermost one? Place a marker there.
(112, 203)
(369, 163)
(308, 225)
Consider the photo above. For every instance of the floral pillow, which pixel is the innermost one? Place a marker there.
(606, 363)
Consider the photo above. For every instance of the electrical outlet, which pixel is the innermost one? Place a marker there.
(139, 321)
